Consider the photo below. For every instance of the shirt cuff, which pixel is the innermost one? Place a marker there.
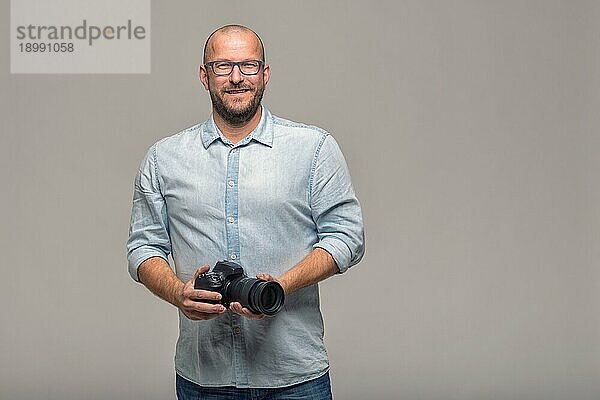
(139, 255)
(338, 250)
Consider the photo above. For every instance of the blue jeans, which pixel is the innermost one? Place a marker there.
(316, 389)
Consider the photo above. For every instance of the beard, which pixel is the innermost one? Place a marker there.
(236, 112)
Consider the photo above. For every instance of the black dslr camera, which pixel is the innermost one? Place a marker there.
(229, 279)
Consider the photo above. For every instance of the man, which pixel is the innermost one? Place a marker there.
(272, 195)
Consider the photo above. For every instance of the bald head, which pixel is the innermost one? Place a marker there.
(226, 32)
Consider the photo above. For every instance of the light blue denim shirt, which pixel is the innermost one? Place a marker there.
(264, 203)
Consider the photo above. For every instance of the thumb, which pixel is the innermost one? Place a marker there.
(266, 277)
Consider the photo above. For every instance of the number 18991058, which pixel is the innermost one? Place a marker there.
(46, 47)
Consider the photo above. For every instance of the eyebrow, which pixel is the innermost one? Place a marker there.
(227, 59)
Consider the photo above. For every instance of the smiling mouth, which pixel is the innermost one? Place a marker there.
(237, 91)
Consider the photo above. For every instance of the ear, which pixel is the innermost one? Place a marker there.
(266, 73)
(203, 75)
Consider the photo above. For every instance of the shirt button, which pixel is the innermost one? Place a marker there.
(231, 220)
(231, 184)
(233, 256)
(236, 330)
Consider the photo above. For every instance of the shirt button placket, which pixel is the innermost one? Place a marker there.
(231, 205)
(233, 254)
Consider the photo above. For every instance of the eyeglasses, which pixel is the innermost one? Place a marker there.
(247, 67)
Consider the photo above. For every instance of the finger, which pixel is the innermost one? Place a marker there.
(238, 309)
(200, 294)
(206, 308)
(235, 307)
(200, 271)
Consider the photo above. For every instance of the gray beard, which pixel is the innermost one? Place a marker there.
(236, 117)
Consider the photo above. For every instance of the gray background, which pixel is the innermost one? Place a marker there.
(471, 131)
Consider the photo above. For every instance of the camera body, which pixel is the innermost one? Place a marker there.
(217, 280)
(230, 280)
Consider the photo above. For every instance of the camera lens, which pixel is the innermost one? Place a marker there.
(267, 297)
(259, 296)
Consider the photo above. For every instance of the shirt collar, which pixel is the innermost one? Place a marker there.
(263, 133)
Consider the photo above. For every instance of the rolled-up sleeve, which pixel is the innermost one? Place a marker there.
(335, 208)
(148, 229)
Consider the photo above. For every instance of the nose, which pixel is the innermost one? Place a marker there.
(236, 75)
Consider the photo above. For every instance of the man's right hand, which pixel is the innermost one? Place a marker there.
(191, 302)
